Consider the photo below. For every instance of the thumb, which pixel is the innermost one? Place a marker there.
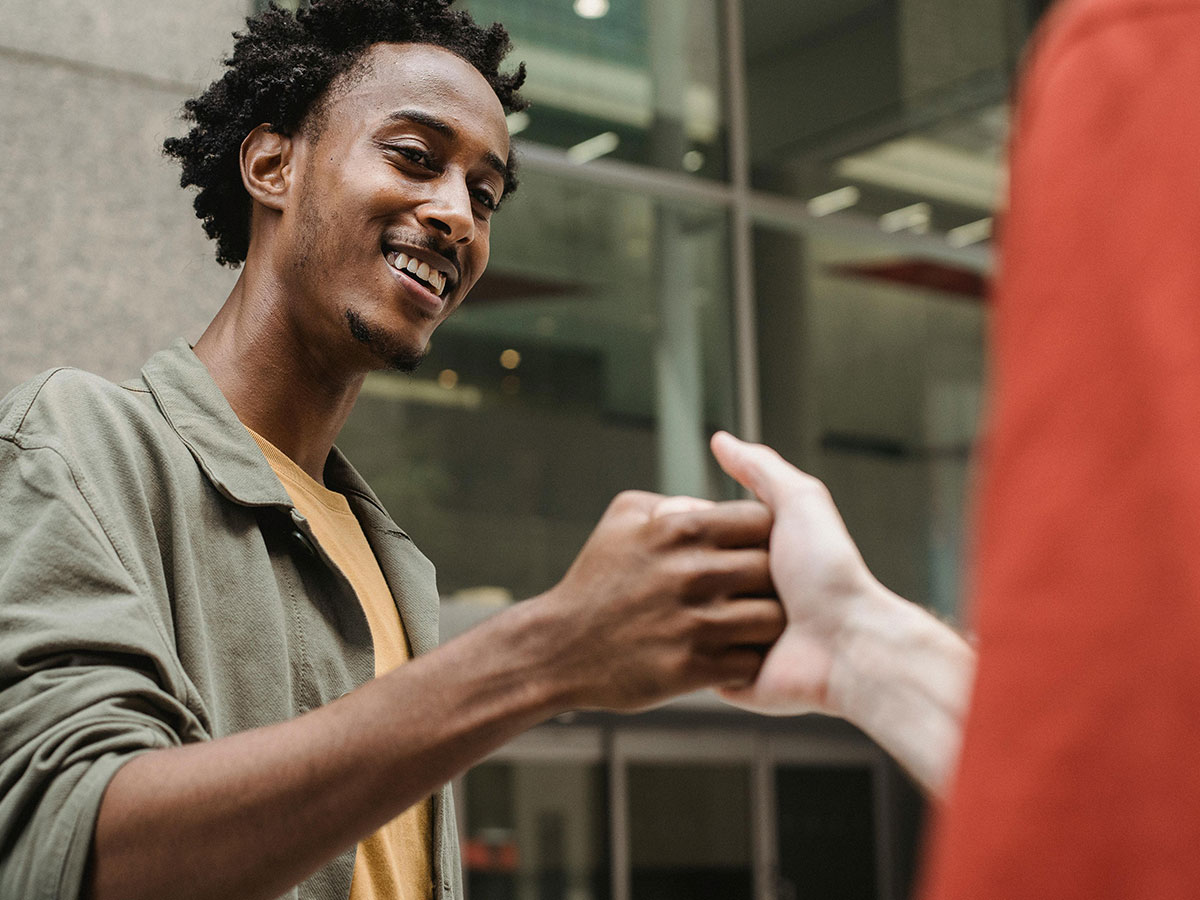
(756, 467)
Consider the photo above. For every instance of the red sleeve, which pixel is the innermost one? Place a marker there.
(1080, 773)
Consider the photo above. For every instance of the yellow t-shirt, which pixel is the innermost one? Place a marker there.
(396, 862)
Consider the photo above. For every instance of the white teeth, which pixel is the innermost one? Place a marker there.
(424, 271)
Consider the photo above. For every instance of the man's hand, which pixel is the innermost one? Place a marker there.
(851, 647)
(665, 597)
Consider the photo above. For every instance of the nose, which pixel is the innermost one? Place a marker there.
(448, 210)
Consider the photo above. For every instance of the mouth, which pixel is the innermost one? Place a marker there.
(430, 278)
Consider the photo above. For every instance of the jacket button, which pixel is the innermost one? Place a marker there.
(304, 541)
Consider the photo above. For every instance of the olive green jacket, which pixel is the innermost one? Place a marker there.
(158, 587)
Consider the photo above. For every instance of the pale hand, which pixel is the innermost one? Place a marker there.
(817, 571)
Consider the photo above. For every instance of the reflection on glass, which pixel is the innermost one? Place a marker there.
(881, 355)
(536, 831)
(826, 833)
(689, 832)
(595, 355)
(899, 105)
(637, 80)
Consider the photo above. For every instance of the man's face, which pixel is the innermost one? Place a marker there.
(390, 226)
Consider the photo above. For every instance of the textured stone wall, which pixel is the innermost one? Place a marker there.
(101, 259)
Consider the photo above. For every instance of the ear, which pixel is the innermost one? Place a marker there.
(266, 161)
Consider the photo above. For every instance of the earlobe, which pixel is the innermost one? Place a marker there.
(266, 159)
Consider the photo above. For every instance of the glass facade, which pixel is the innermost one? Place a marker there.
(761, 215)
(769, 217)
(640, 82)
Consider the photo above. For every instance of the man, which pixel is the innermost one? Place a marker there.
(205, 614)
(1078, 775)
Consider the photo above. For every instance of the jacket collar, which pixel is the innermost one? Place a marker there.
(198, 412)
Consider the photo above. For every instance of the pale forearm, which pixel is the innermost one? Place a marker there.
(904, 678)
(250, 815)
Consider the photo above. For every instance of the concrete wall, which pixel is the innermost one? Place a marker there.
(103, 261)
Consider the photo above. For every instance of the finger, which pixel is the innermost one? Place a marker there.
(670, 505)
(734, 668)
(756, 467)
(741, 572)
(735, 523)
(634, 502)
(749, 620)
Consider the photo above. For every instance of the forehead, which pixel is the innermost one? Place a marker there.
(424, 77)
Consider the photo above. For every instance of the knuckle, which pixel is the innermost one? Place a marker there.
(629, 500)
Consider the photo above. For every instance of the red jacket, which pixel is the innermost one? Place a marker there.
(1080, 773)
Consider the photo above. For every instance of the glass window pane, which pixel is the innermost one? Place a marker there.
(689, 832)
(826, 833)
(638, 80)
(536, 831)
(871, 365)
(896, 110)
(595, 355)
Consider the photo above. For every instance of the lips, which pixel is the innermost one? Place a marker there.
(429, 277)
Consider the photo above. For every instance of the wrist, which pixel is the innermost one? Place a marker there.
(904, 678)
(533, 632)
(859, 663)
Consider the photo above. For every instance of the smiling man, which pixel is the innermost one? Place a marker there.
(218, 672)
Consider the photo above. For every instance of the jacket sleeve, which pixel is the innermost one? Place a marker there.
(88, 673)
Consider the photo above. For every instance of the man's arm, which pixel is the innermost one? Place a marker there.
(643, 614)
(851, 648)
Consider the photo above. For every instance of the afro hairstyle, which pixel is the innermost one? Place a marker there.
(280, 72)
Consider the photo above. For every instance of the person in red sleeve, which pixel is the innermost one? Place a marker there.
(1078, 775)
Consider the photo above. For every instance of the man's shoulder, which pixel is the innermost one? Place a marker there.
(65, 403)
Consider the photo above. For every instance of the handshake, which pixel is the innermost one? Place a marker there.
(767, 601)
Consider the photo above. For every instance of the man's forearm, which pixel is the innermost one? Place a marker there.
(904, 678)
(252, 814)
(653, 606)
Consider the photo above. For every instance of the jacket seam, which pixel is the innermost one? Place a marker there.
(33, 397)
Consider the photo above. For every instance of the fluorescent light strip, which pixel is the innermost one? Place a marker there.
(913, 218)
(834, 201)
(593, 148)
(972, 233)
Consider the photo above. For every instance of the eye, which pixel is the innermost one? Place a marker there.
(486, 200)
(415, 155)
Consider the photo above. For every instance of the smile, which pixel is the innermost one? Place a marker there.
(430, 278)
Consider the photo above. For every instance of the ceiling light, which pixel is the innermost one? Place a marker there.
(834, 201)
(929, 168)
(591, 9)
(915, 218)
(593, 148)
(971, 233)
(448, 379)
(693, 160)
(510, 359)
(517, 122)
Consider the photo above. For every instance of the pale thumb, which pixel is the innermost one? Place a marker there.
(754, 466)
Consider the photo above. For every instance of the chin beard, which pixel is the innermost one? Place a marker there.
(391, 354)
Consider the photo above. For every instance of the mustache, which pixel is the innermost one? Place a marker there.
(426, 241)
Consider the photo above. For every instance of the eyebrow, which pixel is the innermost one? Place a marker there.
(446, 130)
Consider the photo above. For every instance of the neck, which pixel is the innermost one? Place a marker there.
(278, 384)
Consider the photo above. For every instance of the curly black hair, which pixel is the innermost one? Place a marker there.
(281, 70)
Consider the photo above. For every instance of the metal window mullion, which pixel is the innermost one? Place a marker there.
(745, 325)
(885, 865)
(765, 844)
(618, 809)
